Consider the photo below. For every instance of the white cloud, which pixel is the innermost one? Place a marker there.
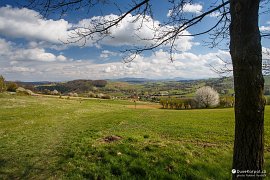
(187, 65)
(214, 14)
(4, 46)
(47, 33)
(265, 28)
(47, 45)
(188, 8)
(135, 33)
(106, 54)
(15, 54)
(110, 69)
(61, 58)
(17, 69)
(265, 53)
(53, 67)
(193, 8)
(13, 62)
(35, 54)
(29, 24)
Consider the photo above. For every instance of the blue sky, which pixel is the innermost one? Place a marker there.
(31, 49)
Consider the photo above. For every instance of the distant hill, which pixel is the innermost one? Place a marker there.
(143, 80)
(33, 83)
(128, 86)
(133, 80)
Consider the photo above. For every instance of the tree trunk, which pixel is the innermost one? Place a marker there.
(246, 53)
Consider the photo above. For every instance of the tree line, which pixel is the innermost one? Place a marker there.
(205, 97)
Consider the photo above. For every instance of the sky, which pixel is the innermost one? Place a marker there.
(32, 48)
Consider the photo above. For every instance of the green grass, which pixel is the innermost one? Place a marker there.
(53, 138)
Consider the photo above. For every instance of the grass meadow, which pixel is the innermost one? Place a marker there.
(53, 138)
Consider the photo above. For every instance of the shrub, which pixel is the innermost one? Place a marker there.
(22, 91)
(267, 100)
(99, 95)
(91, 94)
(106, 96)
(226, 101)
(11, 87)
(183, 103)
(189, 103)
(46, 91)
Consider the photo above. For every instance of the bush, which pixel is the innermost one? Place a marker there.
(226, 101)
(22, 91)
(99, 95)
(190, 103)
(106, 96)
(91, 94)
(46, 91)
(267, 100)
(11, 87)
(174, 103)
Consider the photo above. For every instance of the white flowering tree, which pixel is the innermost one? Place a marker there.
(207, 97)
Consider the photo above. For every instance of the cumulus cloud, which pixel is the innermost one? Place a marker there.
(130, 32)
(265, 28)
(30, 25)
(214, 14)
(15, 54)
(110, 68)
(192, 8)
(16, 69)
(189, 8)
(4, 46)
(59, 67)
(265, 53)
(107, 54)
(187, 65)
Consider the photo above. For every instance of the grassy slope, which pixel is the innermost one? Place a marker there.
(43, 138)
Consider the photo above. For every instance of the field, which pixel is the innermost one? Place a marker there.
(53, 138)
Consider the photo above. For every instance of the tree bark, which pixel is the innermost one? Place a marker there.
(246, 54)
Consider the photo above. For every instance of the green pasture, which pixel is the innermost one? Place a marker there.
(54, 138)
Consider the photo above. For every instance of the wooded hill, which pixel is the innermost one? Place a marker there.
(78, 86)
